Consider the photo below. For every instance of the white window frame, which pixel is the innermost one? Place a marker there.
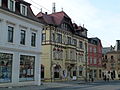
(21, 8)
(95, 61)
(0, 3)
(13, 5)
(91, 62)
(35, 38)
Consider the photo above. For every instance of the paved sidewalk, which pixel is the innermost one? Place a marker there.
(45, 85)
(49, 85)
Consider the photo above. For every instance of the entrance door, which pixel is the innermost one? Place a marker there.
(42, 72)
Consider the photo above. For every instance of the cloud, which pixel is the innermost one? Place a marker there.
(100, 23)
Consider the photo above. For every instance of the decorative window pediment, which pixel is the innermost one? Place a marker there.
(11, 5)
(23, 9)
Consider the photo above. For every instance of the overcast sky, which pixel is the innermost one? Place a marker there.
(100, 17)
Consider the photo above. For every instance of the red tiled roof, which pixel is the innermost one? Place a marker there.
(58, 17)
(46, 18)
(54, 18)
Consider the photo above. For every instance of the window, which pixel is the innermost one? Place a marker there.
(22, 41)
(90, 49)
(43, 37)
(80, 71)
(26, 68)
(66, 52)
(54, 54)
(91, 60)
(80, 44)
(53, 37)
(95, 50)
(5, 67)
(10, 34)
(95, 62)
(75, 42)
(59, 38)
(57, 71)
(95, 73)
(100, 73)
(11, 5)
(23, 9)
(0, 2)
(33, 39)
(69, 40)
(105, 56)
(112, 57)
(57, 54)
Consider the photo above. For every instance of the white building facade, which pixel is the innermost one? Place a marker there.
(20, 44)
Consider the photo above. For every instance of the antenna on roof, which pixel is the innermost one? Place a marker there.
(53, 8)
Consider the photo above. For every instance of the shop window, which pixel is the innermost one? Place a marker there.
(74, 73)
(5, 67)
(80, 71)
(26, 68)
(57, 71)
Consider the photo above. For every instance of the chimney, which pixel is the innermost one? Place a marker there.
(46, 13)
(41, 9)
(53, 8)
(83, 25)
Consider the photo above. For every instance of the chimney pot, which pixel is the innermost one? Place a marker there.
(46, 13)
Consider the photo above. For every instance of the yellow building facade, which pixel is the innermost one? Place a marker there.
(64, 49)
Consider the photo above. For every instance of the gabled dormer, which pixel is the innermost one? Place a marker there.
(23, 9)
(0, 3)
(11, 5)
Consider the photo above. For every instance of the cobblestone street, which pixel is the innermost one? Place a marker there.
(73, 85)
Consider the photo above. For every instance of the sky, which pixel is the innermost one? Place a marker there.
(100, 17)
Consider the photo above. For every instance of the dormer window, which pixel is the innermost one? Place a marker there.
(0, 3)
(11, 5)
(23, 9)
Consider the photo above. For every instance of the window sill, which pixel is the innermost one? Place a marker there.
(10, 43)
(21, 45)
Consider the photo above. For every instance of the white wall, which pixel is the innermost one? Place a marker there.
(17, 27)
(18, 22)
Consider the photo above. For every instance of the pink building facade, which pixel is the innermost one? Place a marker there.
(95, 58)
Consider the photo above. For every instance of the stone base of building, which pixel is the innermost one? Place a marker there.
(18, 84)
